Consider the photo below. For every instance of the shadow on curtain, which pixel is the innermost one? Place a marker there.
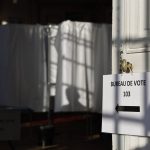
(78, 54)
(84, 55)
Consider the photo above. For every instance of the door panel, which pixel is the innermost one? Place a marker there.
(131, 33)
(138, 25)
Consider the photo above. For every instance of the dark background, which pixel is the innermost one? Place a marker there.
(55, 11)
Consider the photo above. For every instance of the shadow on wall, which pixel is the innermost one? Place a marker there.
(73, 100)
(147, 130)
(146, 147)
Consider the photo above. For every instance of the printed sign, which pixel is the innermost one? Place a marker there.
(126, 104)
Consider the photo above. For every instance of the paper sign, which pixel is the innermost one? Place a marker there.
(126, 104)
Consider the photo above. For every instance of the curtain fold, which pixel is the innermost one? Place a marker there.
(23, 67)
(52, 59)
(84, 55)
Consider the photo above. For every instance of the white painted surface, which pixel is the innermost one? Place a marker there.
(130, 32)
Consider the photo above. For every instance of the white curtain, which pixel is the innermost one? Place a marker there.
(23, 81)
(76, 55)
(84, 55)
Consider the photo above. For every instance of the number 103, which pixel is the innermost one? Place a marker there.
(126, 94)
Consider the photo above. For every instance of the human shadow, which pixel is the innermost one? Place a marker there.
(73, 96)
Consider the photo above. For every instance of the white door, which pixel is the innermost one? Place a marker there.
(131, 35)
